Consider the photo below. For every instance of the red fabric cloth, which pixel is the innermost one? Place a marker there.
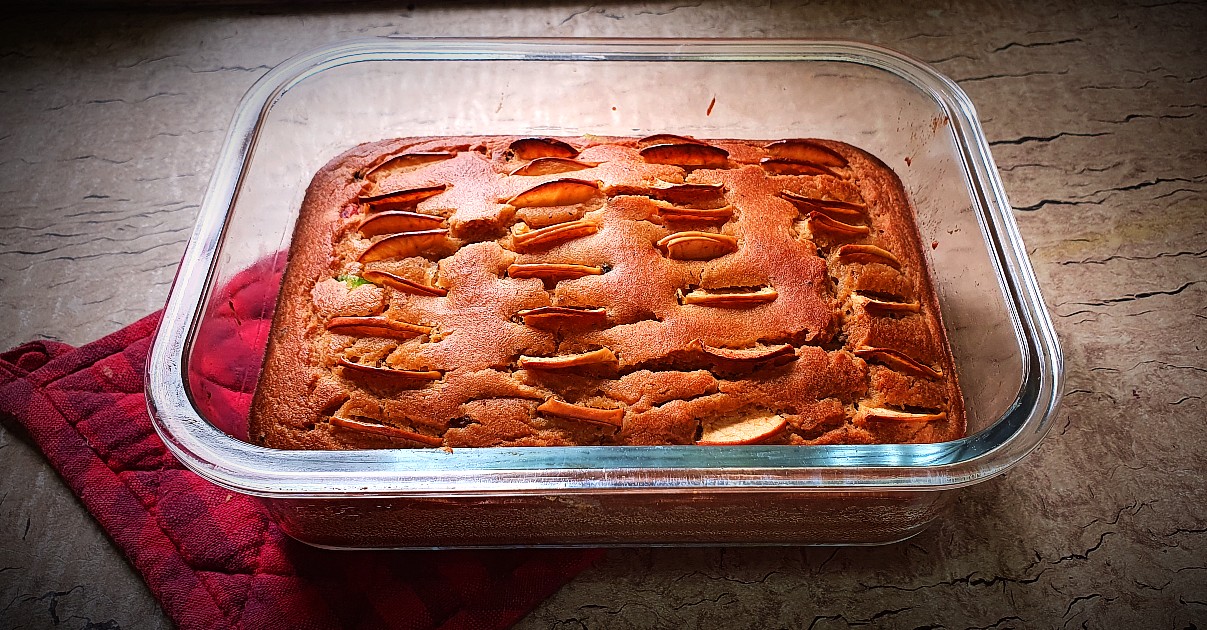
(213, 558)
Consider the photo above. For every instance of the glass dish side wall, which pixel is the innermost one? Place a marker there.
(314, 106)
(745, 517)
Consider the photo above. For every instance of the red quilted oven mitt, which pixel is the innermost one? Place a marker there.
(214, 558)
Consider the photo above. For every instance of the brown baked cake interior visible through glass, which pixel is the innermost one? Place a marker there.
(508, 291)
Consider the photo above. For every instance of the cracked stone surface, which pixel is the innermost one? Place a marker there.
(110, 124)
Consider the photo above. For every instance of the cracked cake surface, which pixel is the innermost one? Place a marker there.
(521, 291)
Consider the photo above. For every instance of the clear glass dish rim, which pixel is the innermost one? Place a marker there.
(252, 469)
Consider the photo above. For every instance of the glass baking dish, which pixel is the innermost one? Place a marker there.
(317, 105)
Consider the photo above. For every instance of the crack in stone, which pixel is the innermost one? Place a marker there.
(1186, 530)
(827, 560)
(1116, 87)
(1150, 586)
(106, 101)
(863, 622)
(1026, 139)
(1085, 555)
(1084, 199)
(591, 9)
(228, 69)
(722, 578)
(996, 623)
(1060, 42)
(119, 253)
(1081, 598)
(1079, 171)
(670, 10)
(1057, 202)
(1102, 261)
(1165, 364)
(952, 58)
(1135, 506)
(1007, 169)
(54, 596)
(1130, 117)
(605, 609)
(706, 600)
(156, 179)
(574, 15)
(89, 624)
(144, 61)
(1014, 76)
(971, 580)
(968, 580)
(1145, 184)
(884, 613)
(1160, 5)
(819, 618)
(1174, 192)
(97, 157)
(1134, 296)
(185, 134)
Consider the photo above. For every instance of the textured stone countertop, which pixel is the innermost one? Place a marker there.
(110, 126)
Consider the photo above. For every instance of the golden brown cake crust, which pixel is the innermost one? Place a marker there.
(509, 291)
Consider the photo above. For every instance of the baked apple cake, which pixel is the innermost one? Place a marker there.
(520, 291)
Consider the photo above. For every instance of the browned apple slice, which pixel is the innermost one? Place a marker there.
(552, 271)
(681, 213)
(386, 431)
(806, 151)
(872, 305)
(547, 237)
(697, 245)
(665, 138)
(394, 374)
(838, 210)
(410, 160)
(591, 415)
(728, 298)
(562, 316)
(603, 356)
(376, 327)
(533, 148)
(821, 224)
(404, 245)
(397, 222)
(781, 166)
(552, 166)
(756, 354)
(687, 193)
(404, 285)
(898, 361)
(401, 199)
(689, 155)
(534, 218)
(893, 415)
(734, 429)
(856, 253)
(559, 192)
